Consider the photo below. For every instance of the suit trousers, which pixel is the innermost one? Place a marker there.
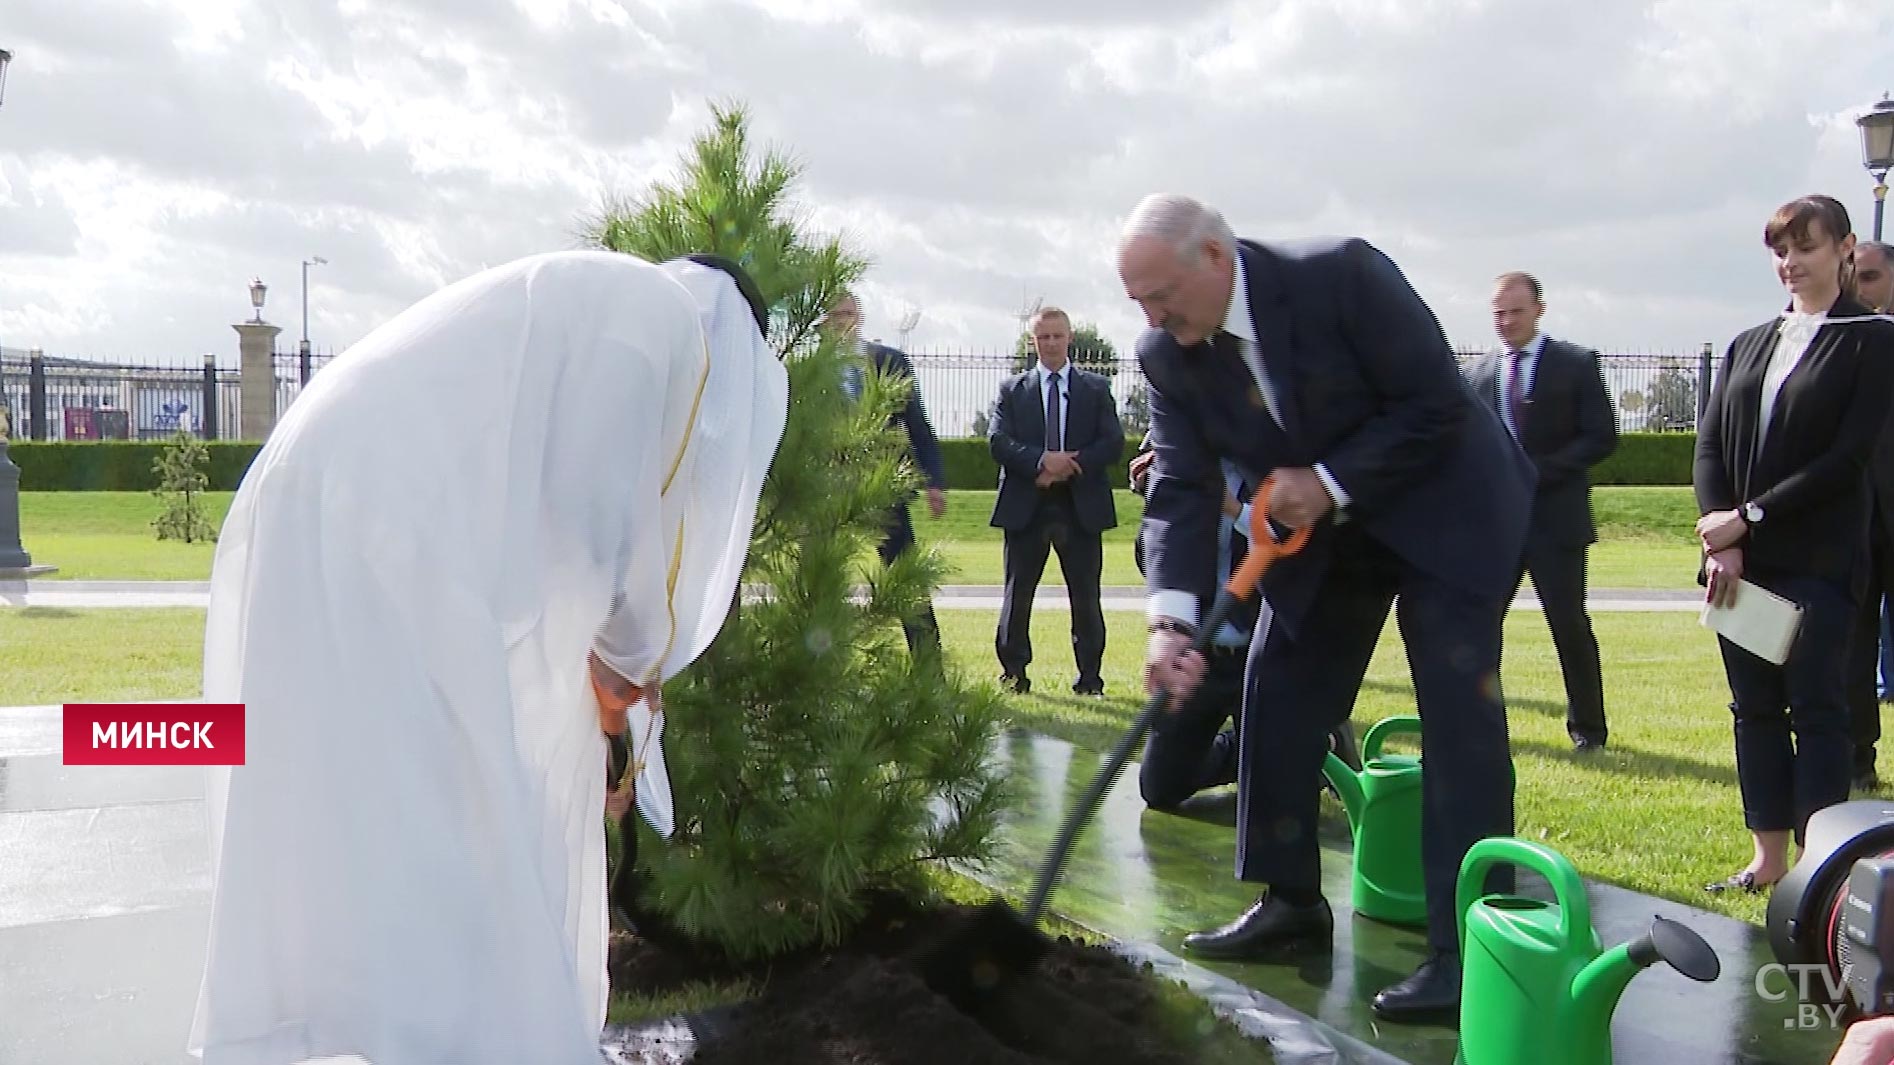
(1791, 721)
(1864, 703)
(1054, 526)
(1558, 579)
(1186, 751)
(1302, 687)
(922, 630)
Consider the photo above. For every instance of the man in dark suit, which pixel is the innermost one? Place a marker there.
(1318, 365)
(1874, 286)
(1055, 434)
(1552, 397)
(844, 320)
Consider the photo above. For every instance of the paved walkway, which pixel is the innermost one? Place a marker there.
(133, 594)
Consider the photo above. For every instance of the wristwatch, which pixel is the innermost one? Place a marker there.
(1752, 514)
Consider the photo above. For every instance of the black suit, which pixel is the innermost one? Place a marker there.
(1068, 516)
(1809, 477)
(1567, 426)
(1439, 496)
(924, 449)
(1864, 708)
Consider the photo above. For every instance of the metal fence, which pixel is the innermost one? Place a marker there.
(52, 398)
(47, 397)
(1650, 391)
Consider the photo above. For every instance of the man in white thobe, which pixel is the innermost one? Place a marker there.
(550, 467)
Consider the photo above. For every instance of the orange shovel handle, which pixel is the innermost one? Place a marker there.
(1264, 548)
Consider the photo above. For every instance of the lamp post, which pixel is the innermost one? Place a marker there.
(1877, 152)
(302, 350)
(6, 59)
(258, 290)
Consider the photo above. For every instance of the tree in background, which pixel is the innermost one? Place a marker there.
(183, 470)
(812, 760)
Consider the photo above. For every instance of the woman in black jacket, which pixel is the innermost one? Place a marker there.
(1780, 483)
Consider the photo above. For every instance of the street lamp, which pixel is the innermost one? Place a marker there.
(1877, 151)
(257, 291)
(302, 350)
(6, 57)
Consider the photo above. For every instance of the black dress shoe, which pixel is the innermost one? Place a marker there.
(1431, 994)
(1587, 744)
(1015, 682)
(1093, 687)
(1265, 926)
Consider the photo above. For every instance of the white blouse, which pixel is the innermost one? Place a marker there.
(1795, 334)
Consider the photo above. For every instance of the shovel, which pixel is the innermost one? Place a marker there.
(969, 964)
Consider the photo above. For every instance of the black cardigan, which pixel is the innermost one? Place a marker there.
(1809, 477)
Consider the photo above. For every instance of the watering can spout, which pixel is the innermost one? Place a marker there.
(1599, 986)
(1348, 786)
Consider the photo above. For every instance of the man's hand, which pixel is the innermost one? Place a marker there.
(1059, 464)
(936, 502)
(1298, 498)
(1723, 568)
(1720, 529)
(618, 799)
(1140, 465)
(1869, 1041)
(1170, 665)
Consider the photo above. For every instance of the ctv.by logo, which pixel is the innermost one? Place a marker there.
(1776, 982)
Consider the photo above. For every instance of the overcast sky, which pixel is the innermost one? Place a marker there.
(155, 154)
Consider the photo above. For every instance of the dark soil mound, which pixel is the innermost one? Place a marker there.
(866, 1003)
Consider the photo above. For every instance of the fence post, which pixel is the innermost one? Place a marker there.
(1703, 381)
(36, 393)
(207, 425)
(257, 369)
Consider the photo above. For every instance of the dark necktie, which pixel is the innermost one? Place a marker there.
(1515, 403)
(1055, 440)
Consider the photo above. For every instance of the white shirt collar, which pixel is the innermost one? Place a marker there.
(1065, 373)
(1237, 320)
(1533, 347)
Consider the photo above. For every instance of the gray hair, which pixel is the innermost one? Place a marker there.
(1180, 221)
(1886, 249)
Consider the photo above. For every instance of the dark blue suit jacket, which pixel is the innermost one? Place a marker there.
(1017, 438)
(912, 418)
(1368, 386)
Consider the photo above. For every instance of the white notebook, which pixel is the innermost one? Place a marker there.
(1759, 621)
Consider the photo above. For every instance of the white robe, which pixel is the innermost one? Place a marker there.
(410, 865)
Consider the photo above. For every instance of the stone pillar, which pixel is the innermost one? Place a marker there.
(257, 345)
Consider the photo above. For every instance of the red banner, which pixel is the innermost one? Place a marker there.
(153, 734)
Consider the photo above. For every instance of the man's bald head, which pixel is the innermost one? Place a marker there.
(1874, 275)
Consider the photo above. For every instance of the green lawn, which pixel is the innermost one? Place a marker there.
(1646, 539)
(1657, 812)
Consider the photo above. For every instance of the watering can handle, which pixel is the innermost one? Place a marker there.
(1378, 733)
(1567, 887)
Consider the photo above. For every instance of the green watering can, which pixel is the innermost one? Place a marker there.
(1536, 984)
(1383, 801)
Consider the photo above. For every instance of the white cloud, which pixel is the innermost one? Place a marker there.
(154, 156)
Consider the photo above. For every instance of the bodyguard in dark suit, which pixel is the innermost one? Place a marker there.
(844, 319)
(1055, 434)
(1552, 397)
(1874, 288)
(1318, 365)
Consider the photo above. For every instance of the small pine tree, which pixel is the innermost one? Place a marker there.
(812, 760)
(182, 468)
